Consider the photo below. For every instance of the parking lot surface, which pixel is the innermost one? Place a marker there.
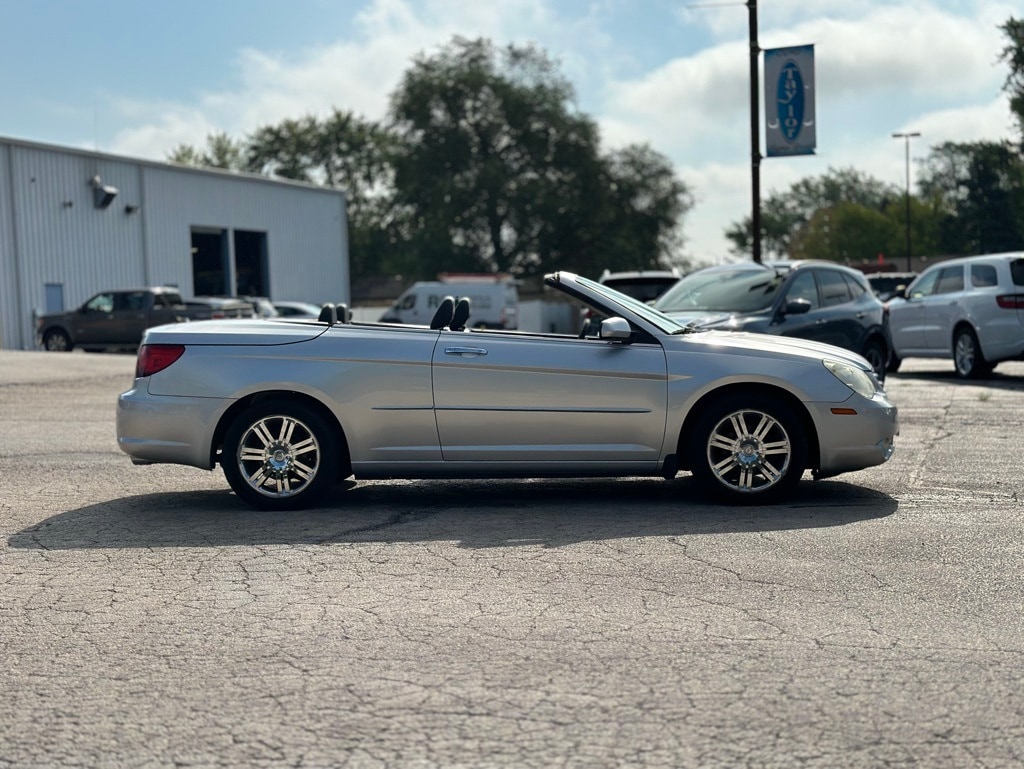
(148, 619)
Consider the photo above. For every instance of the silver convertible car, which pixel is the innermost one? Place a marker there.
(290, 408)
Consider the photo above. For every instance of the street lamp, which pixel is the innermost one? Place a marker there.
(907, 137)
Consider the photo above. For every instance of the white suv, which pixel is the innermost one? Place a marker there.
(969, 309)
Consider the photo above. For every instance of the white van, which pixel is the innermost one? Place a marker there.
(494, 302)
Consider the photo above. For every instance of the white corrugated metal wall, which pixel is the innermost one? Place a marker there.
(10, 304)
(53, 232)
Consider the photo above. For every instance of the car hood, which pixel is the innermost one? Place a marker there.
(748, 342)
(240, 331)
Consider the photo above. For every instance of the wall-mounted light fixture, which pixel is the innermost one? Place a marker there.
(102, 194)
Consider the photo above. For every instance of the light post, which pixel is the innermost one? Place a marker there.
(906, 138)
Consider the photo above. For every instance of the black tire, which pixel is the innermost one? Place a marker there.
(748, 449)
(280, 455)
(967, 357)
(57, 340)
(874, 352)
(894, 363)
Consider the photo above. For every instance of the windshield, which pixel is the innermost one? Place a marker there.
(743, 289)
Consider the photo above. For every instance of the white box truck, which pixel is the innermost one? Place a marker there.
(494, 301)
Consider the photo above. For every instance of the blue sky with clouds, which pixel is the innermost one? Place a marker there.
(138, 78)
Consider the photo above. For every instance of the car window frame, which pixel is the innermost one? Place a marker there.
(949, 271)
(989, 269)
(840, 279)
(799, 275)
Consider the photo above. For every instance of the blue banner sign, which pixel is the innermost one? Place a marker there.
(789, 101)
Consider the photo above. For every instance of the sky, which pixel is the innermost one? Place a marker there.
(137, 79)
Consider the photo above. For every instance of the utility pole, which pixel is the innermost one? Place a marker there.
(755, 136)
(906, 138)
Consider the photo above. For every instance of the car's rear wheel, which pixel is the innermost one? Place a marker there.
(748, 449)
(894, 363)
(874, 353)
(57, 340)
(967, 357)
(280, 455)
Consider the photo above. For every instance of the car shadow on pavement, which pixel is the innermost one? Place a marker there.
(476, 514)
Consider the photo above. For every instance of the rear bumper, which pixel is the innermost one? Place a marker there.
(167, 429)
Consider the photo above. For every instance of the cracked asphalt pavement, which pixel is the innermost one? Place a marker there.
(148, 619)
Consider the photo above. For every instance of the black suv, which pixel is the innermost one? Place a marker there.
(817, 300)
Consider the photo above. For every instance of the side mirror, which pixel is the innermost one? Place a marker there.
(616, 330)
(797, 307)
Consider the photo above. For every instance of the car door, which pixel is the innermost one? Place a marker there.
(129, 318)
(805, 325)
(514, 397)
(943, 308)
(93, 321)
(842, 321)
(907, 316)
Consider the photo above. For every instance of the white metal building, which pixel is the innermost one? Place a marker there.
(74, 222)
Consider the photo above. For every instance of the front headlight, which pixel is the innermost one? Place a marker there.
(857, 380)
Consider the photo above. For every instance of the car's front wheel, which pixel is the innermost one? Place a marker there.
(967, 357)
(57, 340)
(748, 449)
(280, 455)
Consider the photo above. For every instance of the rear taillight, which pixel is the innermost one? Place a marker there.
(156, 357)
(1011, 301)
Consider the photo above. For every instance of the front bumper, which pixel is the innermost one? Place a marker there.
(848, 442)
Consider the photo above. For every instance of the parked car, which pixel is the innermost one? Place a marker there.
(886, 285)
(297, 309)
(220, 307)
(262, 305)
(817, 300)
(645, 285)
(495, 301)
(112, 320)
(969, 309)
(289, 408)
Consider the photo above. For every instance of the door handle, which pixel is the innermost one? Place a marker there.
(465, 351)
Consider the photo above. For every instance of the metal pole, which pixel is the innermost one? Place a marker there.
(755, 136)
(906, 140)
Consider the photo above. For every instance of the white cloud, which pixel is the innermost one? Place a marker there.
(880, 67)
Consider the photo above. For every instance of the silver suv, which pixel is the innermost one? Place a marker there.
(969, 309)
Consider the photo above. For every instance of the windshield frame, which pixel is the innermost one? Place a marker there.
(659, 320)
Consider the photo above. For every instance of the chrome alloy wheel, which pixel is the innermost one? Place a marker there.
(964, 353)
(749, 451)
(278, 456)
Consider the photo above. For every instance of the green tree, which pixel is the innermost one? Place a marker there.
(979, 192)
(496, 172)
(784, 215)
(221, 152)
(343, 151)
(846, 232)
(1013, 55)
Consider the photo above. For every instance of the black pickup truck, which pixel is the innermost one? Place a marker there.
(116, 320)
